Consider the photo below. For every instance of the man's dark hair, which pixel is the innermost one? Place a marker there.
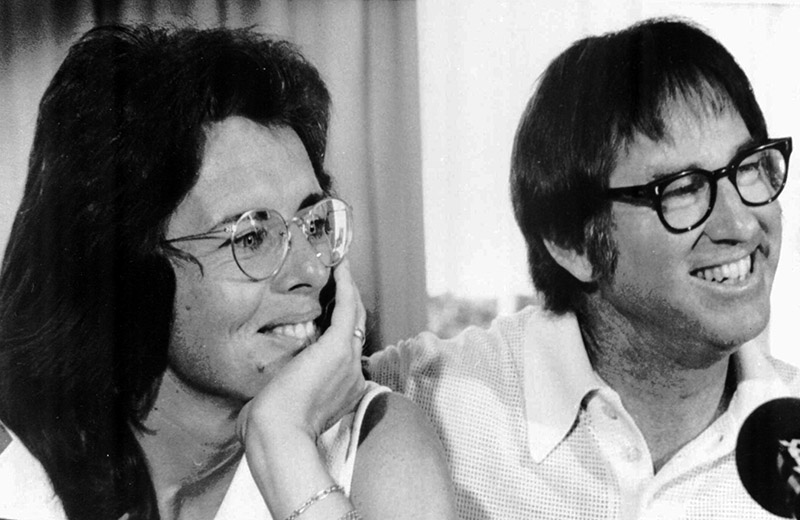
(591, 102)
(87, 288)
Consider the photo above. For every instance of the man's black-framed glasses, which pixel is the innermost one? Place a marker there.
(685, 199)
(260, 240)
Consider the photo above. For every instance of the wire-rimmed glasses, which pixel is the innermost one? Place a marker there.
(260, 240)
(685, 199)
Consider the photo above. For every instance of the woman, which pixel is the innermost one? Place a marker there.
(166, 300)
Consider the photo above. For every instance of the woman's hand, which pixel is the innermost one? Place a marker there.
(281, 425)
(322, 383)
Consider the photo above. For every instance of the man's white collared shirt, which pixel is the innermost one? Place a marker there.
(530, 430)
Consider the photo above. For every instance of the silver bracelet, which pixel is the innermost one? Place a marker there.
(336, 488)
(351, 515)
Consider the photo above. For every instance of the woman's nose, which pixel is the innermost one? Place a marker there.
(303, 267)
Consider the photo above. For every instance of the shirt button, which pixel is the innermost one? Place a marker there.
(609, 411)
(632, 453)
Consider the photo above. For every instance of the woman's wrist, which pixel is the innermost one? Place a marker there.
(319, 497)
(289, 471)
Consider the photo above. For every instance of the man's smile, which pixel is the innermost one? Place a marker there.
(735, 272)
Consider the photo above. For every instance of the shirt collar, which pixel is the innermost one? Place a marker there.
(558, 375)
(757, 381)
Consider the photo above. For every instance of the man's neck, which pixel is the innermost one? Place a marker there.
(190, 445)
(670, 400)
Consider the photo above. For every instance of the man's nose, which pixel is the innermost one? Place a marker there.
(731, 219)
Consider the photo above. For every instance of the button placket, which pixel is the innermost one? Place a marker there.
(623, 448)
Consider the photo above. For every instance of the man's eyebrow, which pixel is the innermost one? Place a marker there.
(748, 143)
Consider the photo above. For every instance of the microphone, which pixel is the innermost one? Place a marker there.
(768, 456)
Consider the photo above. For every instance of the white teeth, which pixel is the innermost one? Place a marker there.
(731, 273)
(305, 331)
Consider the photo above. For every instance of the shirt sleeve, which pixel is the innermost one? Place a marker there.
(397, 366)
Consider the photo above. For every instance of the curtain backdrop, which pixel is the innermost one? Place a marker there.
(367, 53)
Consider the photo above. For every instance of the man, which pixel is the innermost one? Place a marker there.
(644, 183)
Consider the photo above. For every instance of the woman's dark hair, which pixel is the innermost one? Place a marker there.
(86, 289)
(591, 102)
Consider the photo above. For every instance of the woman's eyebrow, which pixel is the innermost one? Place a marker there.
(229, 220)
(226, 222)
(311, 199)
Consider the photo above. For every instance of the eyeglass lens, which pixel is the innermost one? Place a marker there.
(759, 178)
(259, 243)
(327, 228)
(260, 239)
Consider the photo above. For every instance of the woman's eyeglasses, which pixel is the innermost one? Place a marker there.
(260, 240)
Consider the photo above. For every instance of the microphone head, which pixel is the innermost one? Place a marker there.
(764, 458)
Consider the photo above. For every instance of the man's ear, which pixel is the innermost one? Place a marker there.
(577, 264)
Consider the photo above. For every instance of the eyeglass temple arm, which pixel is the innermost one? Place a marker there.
(219, 234)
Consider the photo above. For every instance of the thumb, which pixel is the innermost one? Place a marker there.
(241, 421)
